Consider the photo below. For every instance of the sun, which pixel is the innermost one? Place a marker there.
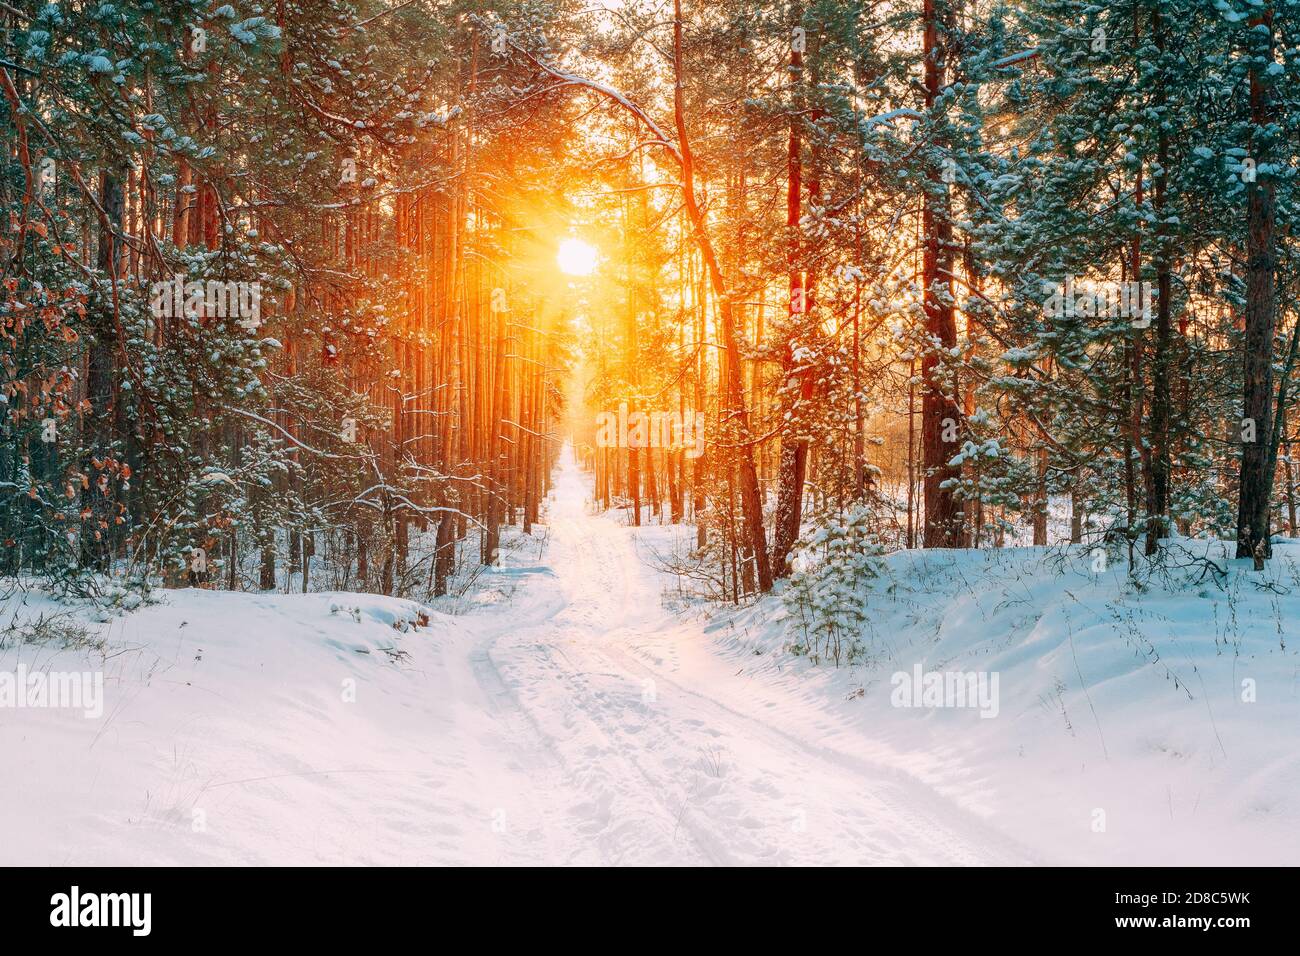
(576, 258)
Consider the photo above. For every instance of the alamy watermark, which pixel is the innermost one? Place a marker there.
(175, 298)
(133, 911)
(1098, 300)
(920, 688)
(672, 430)
(53, 690)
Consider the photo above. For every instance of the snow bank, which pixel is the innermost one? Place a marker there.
(1155, 725)
(578, 713)
(237, 728)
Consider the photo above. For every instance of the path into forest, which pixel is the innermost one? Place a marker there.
(570, 718)
(643, 745)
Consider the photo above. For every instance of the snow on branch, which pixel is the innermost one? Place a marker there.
(903, 113)
(303, 445)
(1014, 58)
(571, 79)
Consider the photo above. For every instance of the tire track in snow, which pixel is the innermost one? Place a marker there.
(651, 772)
(588, 783)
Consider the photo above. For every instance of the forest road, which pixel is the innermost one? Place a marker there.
(641, 744)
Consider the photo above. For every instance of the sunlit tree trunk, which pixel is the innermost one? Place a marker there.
(734, 390)
(793, 466)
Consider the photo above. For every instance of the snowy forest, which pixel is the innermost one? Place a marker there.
(804, 304)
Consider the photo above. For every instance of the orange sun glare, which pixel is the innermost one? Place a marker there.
(576, 258)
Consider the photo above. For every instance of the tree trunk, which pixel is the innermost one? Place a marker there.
(1158, 489)
(792, 470)
(1256, 479)
(100, 375)
(939, 412)
(734, 392)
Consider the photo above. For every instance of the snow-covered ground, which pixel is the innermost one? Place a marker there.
(573, 717)
(1157, 725)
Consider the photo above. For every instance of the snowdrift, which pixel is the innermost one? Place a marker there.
(237, 728)
(1154, 724)
(576, 715)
